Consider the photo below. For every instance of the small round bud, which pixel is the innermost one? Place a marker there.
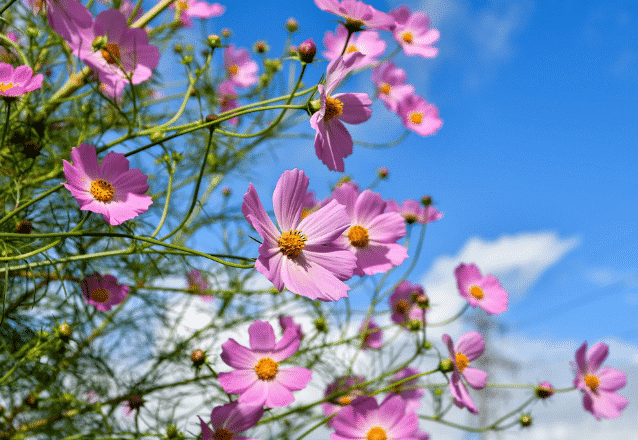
(438, 391)
(226, 33)
(383, 172)
(65, 331)
(214, 40)
(292, 51)
(31, 401)
(320, 325)
(32, 32)
(446, 365)
(211, 117)
(226, 193)
(525, 420)
(426, 200)
(178, 48)
(172, 432)
(157, 136)
(198, 357)
(292, 25)
(187, 59)
(135, 402)
(544, 390)
(24, 227)
(307, 51)
(31, 149)
(415, 325)
(422, 301)
(99, 42)
(261, 47)
(427, 345)
(1, 409)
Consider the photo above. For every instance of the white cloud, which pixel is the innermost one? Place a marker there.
(494, 33)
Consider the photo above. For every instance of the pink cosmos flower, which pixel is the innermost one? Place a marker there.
(18, 81)
(241, 70)
(69, 18)
(258, 378)
(332, 141)
(340, 384)
(390, 83)
(599, 384)
(485, 292)
(413, 212)
(230, 419)
(408, 391)
(103, 292)
(365, 419)
(366, 42)
(357, 14)
(372, 233)
(403, 303)
(413, 33)
(287, 321)
(469, 347)
(227, 98)
(110, 188)
(305, 257)
(197, 9)
(127, 57)
(419, 116)
(371, 334)
(198, 284)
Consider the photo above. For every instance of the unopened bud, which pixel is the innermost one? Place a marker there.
(31, 401)
(65, 331)
(187, 59)
(172, 432)
(261, 47)
(307, 51)
(422, 301)
(544, 390)
(383, 172)
(415, 325)
(157, 136)
(426, 200)
(32, 32)
(446, 365)
(214, 40)
(525, 420)
(292, 25)
(178, 48)
(226, 192)
(24, 227)
(320, 325)
(292, 51)
(198, 357)
(226, 33)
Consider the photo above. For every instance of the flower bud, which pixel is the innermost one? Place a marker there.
(31, 149)
(292, 51)
(173, 433)
(422, 301)
(525, 420)
(307, 51)
(187, 59)
(198, 357)
(383, 172)
(446, 365)
(24, 227)
(261, 47)
(544, 390)
(32, 32)
(31, 401)
(415, 325)
(64, 332)
(135, 402)
(178, 48)
(214, 40)
(292, 25)
(320, 325)
(226, 33)
(99, 42)
(426, 200)
(157, 136)
(226, 191)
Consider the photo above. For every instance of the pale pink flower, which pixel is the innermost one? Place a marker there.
(341, 384)
(18, 81)
(371, 334)
(599, 385)
(241, 69)
(366, 42)
(483, 291)
(357, 14)
(390, 83)
(305, 256)
(198, 284)
(103, 292)
(197, 9)
(332, 141)
(413, 212)
(230, 419)
(413, 33)
(419, 116)
(408, 391)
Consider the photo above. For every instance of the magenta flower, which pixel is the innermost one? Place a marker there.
(419, 116)
(367, 42)
(230, 419)
(413, 212)
(357, 14)
(408, 391)
(599, 384)
(227, 99)
(469, 347)
(403, 303)
(390, 83)
(287, 321)
(332, 141)
(372, 233)
(341, 384)
(127, 56)
(371, 334)
(197, 9)
(258, 378)
(110, 188)
(241, 70)
(485, 292)
(198, 285)
(18, 81)
(70, 19)
(103, 292)
(413, 33)
(305, 257)
(365, 419)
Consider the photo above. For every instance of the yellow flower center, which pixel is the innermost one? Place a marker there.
(344, 400)
(112, 53)
(376, 433)
(102, 190)
(100, 295)
(416, 117)
(477, 292)
(334, 107)
(291, 243)
(358, 236)
(233, 69)
(402, 306)
(222, 434)
(407, 37)
(592, 382)
(182, 5)
(385, 89)
(4, 87)
(409, 218)
(266, 369)
(461, 361)
(352, 48)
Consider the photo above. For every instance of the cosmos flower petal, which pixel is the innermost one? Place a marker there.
(238, 381)
(475, 378)
(288, 198)
(471, 344)
(262, 336)
(238, 356)
(356, 107)
(294, 378)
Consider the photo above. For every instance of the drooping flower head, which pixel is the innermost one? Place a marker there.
(258, 378)
(18, 81)
(413, 33)
(403, 303)
(372, 234)
(371, 335)
(197, 9)
(366, 42)
(110, 188)
(341, 384)
(357, 14)
(241, 69)
(419, 116)
(413, 212)
(198, 284)
(305, 256)
(230, 419)
(485, 292)
(599, 385)
(364, 419)
(408, 391)
(469, 347)
(103, 291)
(390, 83)
(333, 142)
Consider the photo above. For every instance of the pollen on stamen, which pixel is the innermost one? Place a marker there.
(291, 243)
(416, 117)
(182, 5)
(402, 306)
(352, 48)
(385, 89)
(4, 87)
(376, 433)
(102, 190)
(334, 107)
(407, 37)
(266, 369)
(592, 382)
(100, 295)
(344, 400)
(461, 361)
(477, 292)
(358, 236)
(233, 70)
(223, 434)
(112, 53)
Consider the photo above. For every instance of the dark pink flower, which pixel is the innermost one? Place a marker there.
(241, 69)
(371, 334)
(413, 33)
(408, 391)
(103, 292)
(197, 9)
(230, 419)
(18, 81)
(419, 116)
(599, 385)
(305, 256)
(227, 98)
(390, 83)
(198, 284)
(341, 384)
(403, 303)
(469, 347)
(485, 292)
(258, 378)
(70, 19)
(413, 212)
(357, 14)
(110, 188)
(366, 42)
(287, 321)
(372, 234)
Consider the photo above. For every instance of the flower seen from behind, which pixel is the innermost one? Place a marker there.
(413, 212)
(367, 42)
(103, 291)
(196, 9)
(230, 419)
(404, 306)
(413, 33)
(257, 377)
(408, 391)
(18, 81)
(110, 188)
(357, 14)
(198, 284)
(485, 292)
(371, 335)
